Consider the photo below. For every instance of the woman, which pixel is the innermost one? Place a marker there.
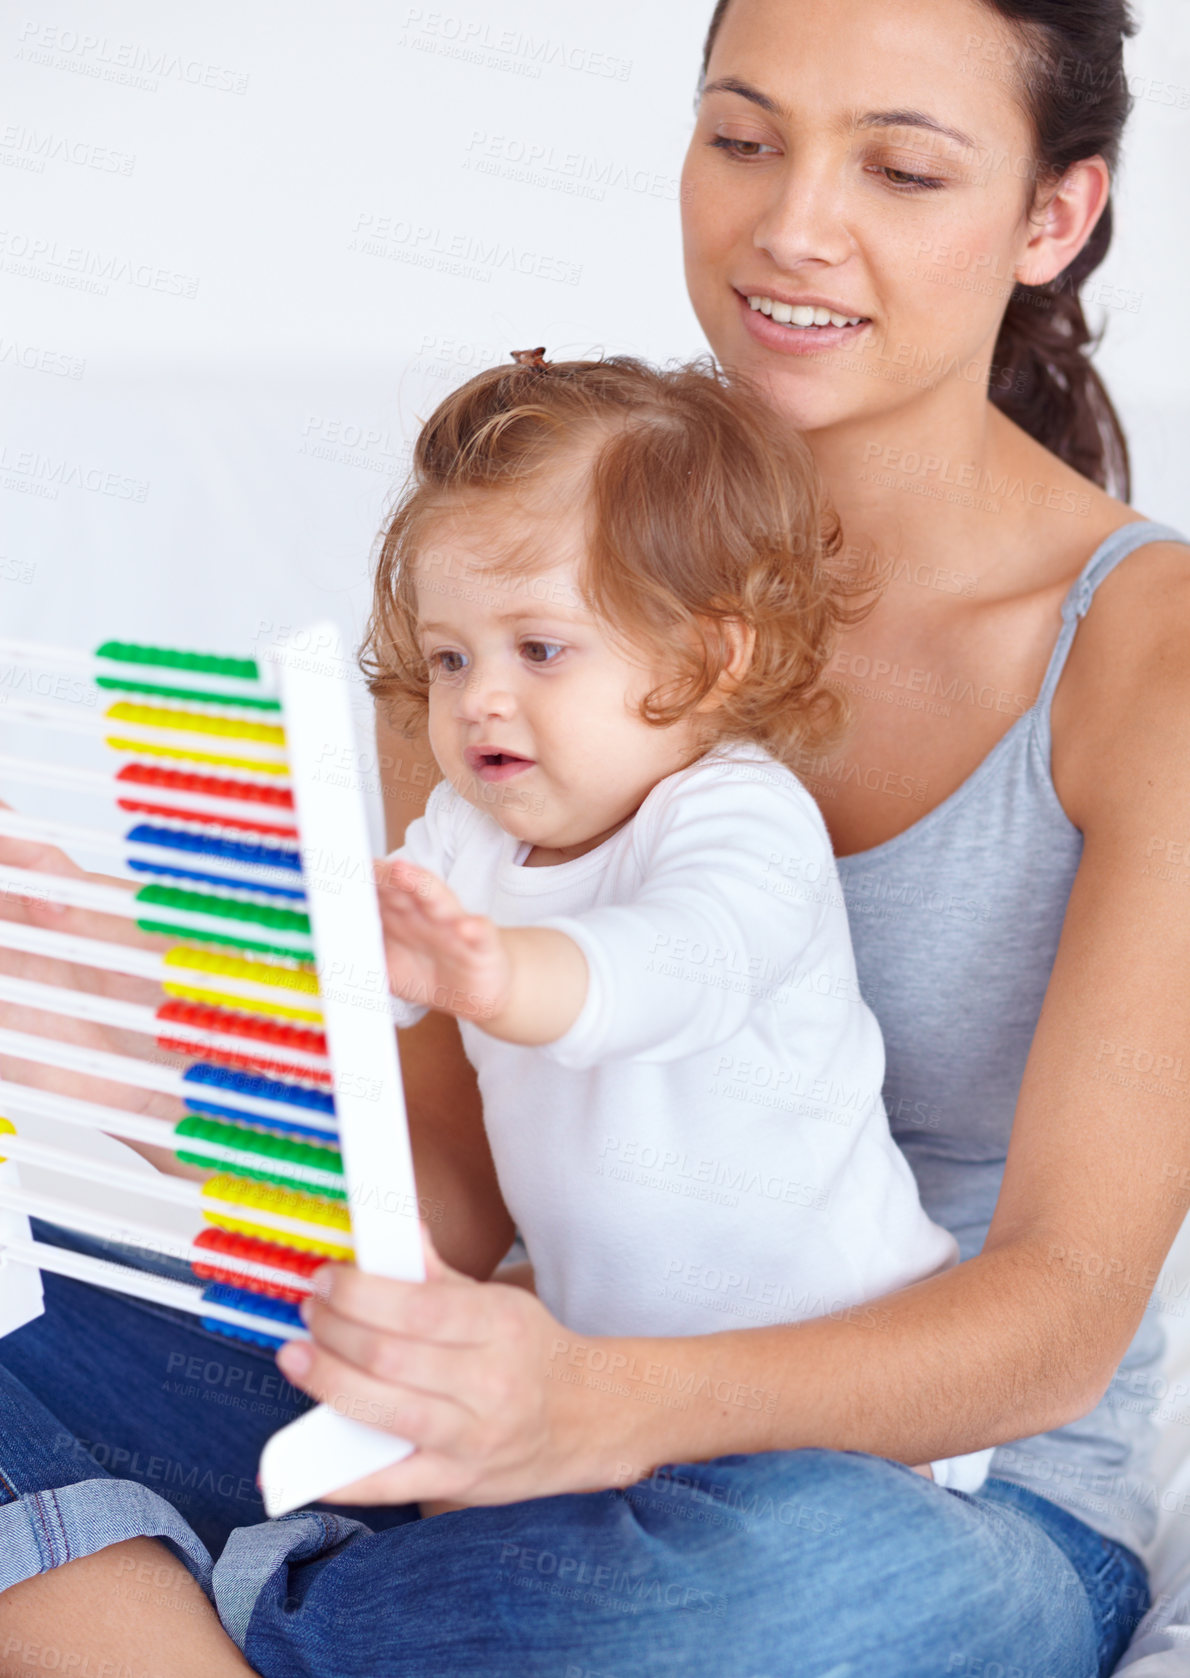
(932, 177)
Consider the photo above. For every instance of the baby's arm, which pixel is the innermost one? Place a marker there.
(709, 933)
(523, 984)
(734, 876)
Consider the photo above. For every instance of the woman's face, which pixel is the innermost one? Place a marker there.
(870, 160)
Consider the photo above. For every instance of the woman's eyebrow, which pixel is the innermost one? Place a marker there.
(914, 119)
(869, 119)
(733, 84)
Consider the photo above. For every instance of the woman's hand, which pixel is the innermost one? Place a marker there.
(437, 953)
(35, 911)
(465, 1370)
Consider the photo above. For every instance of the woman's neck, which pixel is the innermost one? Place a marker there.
(866, 461)
(954, 484)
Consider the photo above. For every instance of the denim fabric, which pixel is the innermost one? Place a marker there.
(139, 1392)
(57, 1504)
(118, 1420)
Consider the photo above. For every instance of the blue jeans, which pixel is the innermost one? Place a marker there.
(120, 1420)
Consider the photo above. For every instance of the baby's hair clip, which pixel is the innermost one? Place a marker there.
(530, 358)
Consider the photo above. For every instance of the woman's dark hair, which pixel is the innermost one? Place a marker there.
(1070, 73)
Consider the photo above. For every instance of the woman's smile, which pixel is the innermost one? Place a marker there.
(807, 327)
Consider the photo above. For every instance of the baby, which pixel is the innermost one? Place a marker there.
(608, 593)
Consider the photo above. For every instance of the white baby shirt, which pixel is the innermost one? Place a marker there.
(707, 1146)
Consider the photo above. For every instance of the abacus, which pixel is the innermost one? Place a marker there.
(248, 846)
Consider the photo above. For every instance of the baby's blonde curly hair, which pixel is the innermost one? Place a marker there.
(703, 507)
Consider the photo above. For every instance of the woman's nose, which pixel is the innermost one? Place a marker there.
(804, 222)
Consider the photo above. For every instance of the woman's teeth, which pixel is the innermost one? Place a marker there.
(801, 314)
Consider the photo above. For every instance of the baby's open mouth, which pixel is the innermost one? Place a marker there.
(491, 764)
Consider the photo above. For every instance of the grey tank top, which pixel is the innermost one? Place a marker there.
(955, 924)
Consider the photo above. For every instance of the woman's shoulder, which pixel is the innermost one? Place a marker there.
(1128, 668)
(1063, 518)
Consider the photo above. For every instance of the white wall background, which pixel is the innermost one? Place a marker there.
(244, 248)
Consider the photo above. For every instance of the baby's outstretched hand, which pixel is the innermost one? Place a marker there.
(437, 954)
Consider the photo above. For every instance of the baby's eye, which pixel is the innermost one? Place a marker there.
(541, 652)
(448, 661)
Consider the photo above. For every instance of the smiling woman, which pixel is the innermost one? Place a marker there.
(933, 177)
(1013, 125)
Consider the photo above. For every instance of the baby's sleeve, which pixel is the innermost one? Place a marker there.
(966, 1473)
(431, 841)
(733, 863)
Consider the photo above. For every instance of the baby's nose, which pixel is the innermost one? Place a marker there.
(485, 695)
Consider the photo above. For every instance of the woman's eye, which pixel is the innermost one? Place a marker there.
(906, 181)
(448, 662)
(540, 652)
(742, 149)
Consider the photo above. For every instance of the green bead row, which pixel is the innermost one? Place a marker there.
(193, 695)
(229, 908)
(277, 1178)
(209, 664)
(265, 1143)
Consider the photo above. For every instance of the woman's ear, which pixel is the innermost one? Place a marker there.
(1064, 221)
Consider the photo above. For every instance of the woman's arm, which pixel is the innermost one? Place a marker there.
(1020, 1339)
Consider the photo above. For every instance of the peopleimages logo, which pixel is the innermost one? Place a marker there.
(968, 474)
(24, 683)
(31, 256)
(60, 473)
(479, 41)
(626, 1368)
(35, 359)
(128, 62)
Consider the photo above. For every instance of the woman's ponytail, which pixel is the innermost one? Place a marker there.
(1069, 61)
(1045, 380)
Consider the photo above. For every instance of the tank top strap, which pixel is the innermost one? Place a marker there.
(1102, 562)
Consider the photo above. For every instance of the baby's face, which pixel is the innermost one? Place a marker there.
(532, 700)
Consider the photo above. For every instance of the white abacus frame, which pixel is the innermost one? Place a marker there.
(323, 1450)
